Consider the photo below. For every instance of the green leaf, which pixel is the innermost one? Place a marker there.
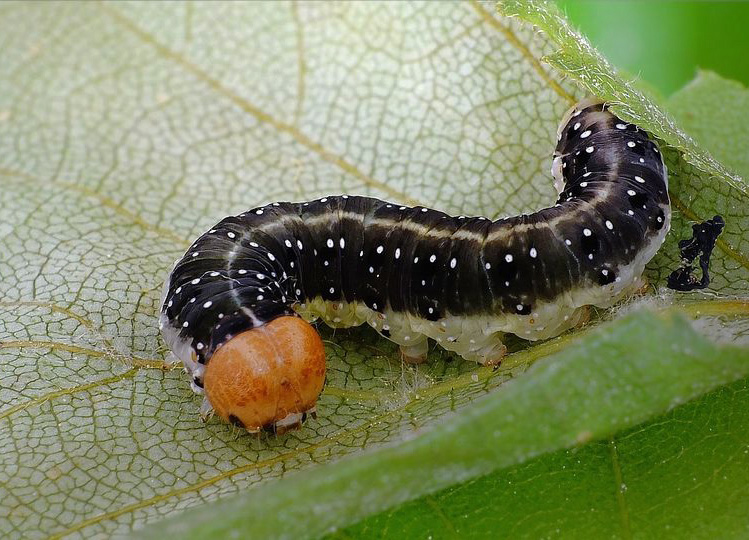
(714, 110)
(583, 393)
(684, 474)
(127, 129)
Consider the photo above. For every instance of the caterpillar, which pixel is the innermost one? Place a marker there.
(237, 306)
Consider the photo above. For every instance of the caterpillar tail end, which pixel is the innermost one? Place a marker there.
(267, 378)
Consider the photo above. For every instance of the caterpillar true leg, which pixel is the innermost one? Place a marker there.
(234, 304)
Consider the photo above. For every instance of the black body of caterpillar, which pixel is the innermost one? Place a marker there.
(413, 272)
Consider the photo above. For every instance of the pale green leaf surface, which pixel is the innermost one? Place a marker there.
(715, 111)
(127, 129)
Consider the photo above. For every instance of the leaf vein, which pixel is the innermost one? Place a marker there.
(254, 111)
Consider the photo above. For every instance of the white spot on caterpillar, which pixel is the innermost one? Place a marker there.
(380, 249)
(207, 304)
(330, 243)
(630, 212)
(231, 235)
(587, 232)
(178, 290)
(425, 209)
(342, 243)
(242, 271)
(299, 245)
(639, 179)
(259, 212)
(590, 149)
(642, 160)
(192, 300)
(324, 199)
(260, 276)
(271, 257)
(453, 262)
(185, 324)
(433, 258)
(508, 258)
(583, 184)
(215, 274)
(568, 241)
(254, 244)
(260, 297)
(332, 290)
(576, 126)
(416, 259)
(195, 281)
(199, 346)
(287, 242)
(587, 174)
(195, 253)
(371, 270)
(631, 192)
(631, 144)
(533, 253)
(585, 134)
(621, 126)
(609, 225)
(397, 253)
(488, 266)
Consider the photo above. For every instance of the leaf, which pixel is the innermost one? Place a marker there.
(583, 393)
(714, 110)
(127, 129)
(682, 474)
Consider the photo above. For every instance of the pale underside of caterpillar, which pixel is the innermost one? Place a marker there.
(414, 273)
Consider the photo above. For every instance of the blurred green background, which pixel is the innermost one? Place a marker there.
(663, 43)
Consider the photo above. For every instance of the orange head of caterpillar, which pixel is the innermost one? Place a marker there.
(268, 377)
